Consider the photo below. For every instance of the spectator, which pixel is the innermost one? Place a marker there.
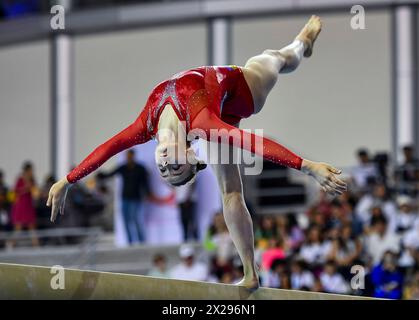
(301, 278)
(221, 241)
(314, 250)
(5, 224)
(105, 218)
(44, 212)
(318, 287)
(135, 186)
(406, 216)
(159, 269)
(379, 198)
(364, 172)
(332, 281)
(410, 245)
(322, 208)
(23, 210)
(265, 231)
(81, 205)
(274, 252)
(272, 277)
(285, 281)
(186, 199)
(405, 174)
(189, 268)
(345, 250)
(381, 239)
(289, 231)
(412, 289)
(387, 280)
(3, 186)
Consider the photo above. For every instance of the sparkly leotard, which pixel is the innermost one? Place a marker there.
(203, 98)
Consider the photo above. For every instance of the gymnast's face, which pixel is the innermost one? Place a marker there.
(173, 163)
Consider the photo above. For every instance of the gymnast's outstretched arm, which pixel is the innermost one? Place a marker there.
(134, 134)
(270, 150)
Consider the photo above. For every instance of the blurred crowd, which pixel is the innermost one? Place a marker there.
(364, 242)
(23, 207)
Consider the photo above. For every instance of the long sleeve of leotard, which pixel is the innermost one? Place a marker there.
(264, 147)
(134, 134)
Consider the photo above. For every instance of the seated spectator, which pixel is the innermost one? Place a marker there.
(410, 245)
(381, 239)
(406, 215)
(159, 269)
(411, 291)
(265, 230)
(405, 174)
(348, 202)
(44, 212)
(339, 216)
(301, 277)
(285, 281)
(288, 229)
(272, 277)
(322, 207)
(104, 218)
(364, 172)
(332, 281)
(274, 252)
(189, 268)
(345, 251)
(221, 241)
(314, 250)
(5, 223)
(387, 280)
(380, 197)
(317, 287)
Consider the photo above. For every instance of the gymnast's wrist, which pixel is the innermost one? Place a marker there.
(66, 180)
(307, 166)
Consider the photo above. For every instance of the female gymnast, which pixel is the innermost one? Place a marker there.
(201, 100)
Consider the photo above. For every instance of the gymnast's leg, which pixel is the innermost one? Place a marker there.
(237, 218)
(261, 72)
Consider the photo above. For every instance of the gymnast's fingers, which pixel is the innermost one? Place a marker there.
(334, 170)
(49, 199)
(54, 210)
(338, 182)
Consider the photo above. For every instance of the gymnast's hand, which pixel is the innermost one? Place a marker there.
(56, 197)
(325, 174)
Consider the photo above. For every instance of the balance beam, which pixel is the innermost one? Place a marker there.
(34, 282)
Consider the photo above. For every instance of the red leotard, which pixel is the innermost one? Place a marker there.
(204, 98)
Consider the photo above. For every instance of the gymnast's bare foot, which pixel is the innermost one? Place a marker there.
(250, 283)
(309, 33)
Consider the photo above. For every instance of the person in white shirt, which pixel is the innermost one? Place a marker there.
(159, 269)
(189, 269)
(314, 250)
(332, 281)
(406, 216)
(381, 239)
(379, 198)
(410, 243)
(364, 171)
(301, 278)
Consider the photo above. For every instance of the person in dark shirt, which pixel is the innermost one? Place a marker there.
(405, 174)
(135, 186)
